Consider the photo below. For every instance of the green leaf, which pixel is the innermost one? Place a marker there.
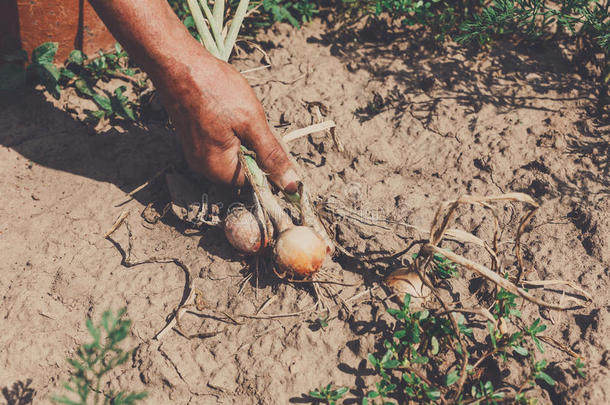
(67, 73)
(538, 344)
(407, 301)
(103, 102)
(128, 113)
(391, 363)
(316, 394)
(106, 320)
(44, 53)
(520, 350)
(75, 364)
(189, 22)
(341, 391)
(48, 75)
(83, 88)
(68, 387)
(51, 70)
(129, 399)
(64, 400)
(435, 345)
(544, 376)
(492, 334)
(373, 360)
(451, 378)
(76, 57)
(95, 333)
(98, 115)
(386, 357)
(400, 334)
(433, 393)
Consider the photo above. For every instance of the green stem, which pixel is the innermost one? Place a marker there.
(218, 13)
(202, 28)
(216, 29)
(238, 19)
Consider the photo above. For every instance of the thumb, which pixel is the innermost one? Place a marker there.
(271, 156)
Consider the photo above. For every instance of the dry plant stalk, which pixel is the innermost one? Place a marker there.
(439, 231)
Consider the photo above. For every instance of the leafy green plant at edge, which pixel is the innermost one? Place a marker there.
(327, 394)
(95, 360)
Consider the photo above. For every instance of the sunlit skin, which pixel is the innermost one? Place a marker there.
(212, 106)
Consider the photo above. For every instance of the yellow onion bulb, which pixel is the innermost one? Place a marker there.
(299, 251)
(244, 232)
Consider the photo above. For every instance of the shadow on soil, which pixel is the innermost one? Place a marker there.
(47, 136)
(430, 73)
(21, 393)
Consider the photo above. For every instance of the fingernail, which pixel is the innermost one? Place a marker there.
(288, 181)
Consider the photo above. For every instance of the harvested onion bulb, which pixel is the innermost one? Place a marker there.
(299, 251)
(244, 232)
(406, 281)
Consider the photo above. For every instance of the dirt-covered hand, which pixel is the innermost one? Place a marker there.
(214, 110)
(210, 103)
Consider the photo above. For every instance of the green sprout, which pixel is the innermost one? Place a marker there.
(95, 360)
(327, 394)
(211, 28)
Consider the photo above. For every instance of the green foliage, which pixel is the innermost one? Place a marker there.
(78, 71)
(442, 267)
(41, 69)
(419, 359)
(323, 321)
(441, 17)
(328, 395)
(295, 12)
(538, 18)
(544, 20)
(84, 74)
(115, 105)
(579, 366)
(95, 360)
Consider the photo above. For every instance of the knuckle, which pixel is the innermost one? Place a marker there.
(274, 157)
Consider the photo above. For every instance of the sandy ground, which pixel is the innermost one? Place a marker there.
(418, 125)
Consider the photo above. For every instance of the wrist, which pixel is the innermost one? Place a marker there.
(151, 33)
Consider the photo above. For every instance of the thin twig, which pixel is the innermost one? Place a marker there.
(134, 191)
(254, 69)
(298, 133)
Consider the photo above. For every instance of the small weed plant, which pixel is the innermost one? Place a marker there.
(16, 71)
(95, 360)
(419, 358)
(328, 394)
(85, 73)
(79, 71)
(587, 20)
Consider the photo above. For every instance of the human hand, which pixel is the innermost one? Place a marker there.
(214, 110)
(211, 104)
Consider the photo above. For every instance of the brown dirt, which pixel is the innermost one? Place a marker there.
(440, 123)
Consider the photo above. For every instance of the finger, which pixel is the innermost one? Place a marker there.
(271, 155)
(218, 162)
